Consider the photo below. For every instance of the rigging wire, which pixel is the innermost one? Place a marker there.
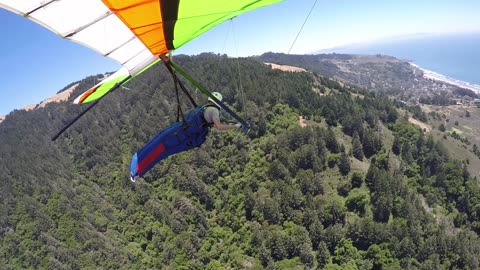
(226, 36)
(138, 91)
(241, 93)
(243, 98)
(231, 32)
(142, 92)
(301, 28)
(145, 86)
(226, 43)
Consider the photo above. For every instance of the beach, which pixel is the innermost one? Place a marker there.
(439, 77)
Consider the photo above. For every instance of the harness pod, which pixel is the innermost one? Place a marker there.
(178, 137)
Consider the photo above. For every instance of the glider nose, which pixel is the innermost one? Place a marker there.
(133, 178)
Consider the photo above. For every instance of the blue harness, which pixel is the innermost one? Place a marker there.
(178, 137)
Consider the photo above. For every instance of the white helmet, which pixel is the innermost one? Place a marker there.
(217, 95)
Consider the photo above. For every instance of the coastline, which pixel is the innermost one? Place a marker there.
(428, 74)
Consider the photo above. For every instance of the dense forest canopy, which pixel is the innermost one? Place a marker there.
(357, 188)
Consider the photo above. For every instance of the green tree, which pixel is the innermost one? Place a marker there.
(310, 183)
(357, 200)
(371, 142)
(331, 141)
(345, 252)
(323, 255)
(381, 257)
(357, 180)
(357, 149)
(442, 128)
(344, 164)
(397, 145)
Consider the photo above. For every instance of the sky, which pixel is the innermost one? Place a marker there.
(36, 64)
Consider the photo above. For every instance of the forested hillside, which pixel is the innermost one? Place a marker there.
(357, 188)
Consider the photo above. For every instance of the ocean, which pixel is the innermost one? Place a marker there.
(456, 56)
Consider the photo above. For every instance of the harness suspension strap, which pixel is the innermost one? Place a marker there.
(179, 107)
(182, 86)
(166, 60)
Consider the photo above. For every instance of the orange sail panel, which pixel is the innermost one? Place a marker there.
(163, 25)
(144, 20)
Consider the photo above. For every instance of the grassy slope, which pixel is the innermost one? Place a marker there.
(468, 127)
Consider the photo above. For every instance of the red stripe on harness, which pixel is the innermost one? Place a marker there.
(143, 164)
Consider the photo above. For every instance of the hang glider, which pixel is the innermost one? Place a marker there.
(132, 32)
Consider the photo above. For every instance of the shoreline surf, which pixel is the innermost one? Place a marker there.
(442, 78)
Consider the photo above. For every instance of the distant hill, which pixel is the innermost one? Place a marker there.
(380, 73)
(60, 96)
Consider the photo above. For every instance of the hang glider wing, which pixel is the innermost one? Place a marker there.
(131, 32)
